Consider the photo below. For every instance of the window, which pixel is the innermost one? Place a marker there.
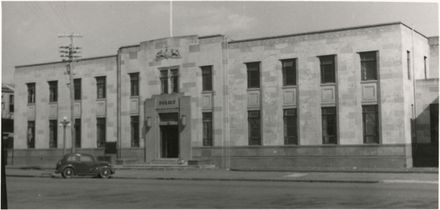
(86, 158)
(329, 134)
(11, 103)
(289, 71)
(207, 129)
(53, 91)
(408, 63)
(31, 134)
(290, 130)
(31, 92)
(424, 67)
(134, 121)
(134, 84)
(174, 80)
(253, 74)
(206, 78)
(73, 158)
(78, 132)
(169, 80)
(100, 128)
(100, 87)
(164, 81)
(433, 108)
(77, 89)
(254, 127)
(368, 66)
(327, 64)
(370, 122)
(53, 133)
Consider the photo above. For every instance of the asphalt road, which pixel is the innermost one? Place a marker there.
(56, 193)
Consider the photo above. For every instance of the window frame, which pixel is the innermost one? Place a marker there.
(366, 112)
(288, 73)
(325, 68)
(30, 141)
(101, 84)
(328, 114)
(77, 89)
(31, 89)
(207, 81)
(101, 121)
(53, 91)
(134, 84)
(207, 132)
(53, 139)
(134, 131)
(253, 74)
(286, 119)
(366, 73)
(254, 123)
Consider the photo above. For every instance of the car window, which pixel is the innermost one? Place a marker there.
(73, 158)
(86, 158)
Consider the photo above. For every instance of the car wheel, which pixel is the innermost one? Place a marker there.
(105, 173)
(68, 172)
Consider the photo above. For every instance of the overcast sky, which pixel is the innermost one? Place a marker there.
(30, 29)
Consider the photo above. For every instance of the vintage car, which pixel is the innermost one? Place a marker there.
(80, 164)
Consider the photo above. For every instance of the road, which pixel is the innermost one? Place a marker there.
(82, 193)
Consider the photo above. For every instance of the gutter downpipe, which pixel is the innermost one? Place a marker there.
(118, 106)
(414, 133)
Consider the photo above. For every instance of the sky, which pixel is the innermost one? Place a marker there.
(30, 29)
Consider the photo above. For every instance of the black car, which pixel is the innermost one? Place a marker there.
(80, 164)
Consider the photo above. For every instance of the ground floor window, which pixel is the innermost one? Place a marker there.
(31, 134)
(134, 121)
(370, 122)
(100, 128)
(53, 133)
(329, 125)
(78, 133)
(207, 129)
(434, 123)
(290, 129)
(254, 127)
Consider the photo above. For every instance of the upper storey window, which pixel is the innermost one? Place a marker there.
(169, 80)
(206, 78)
(53, 91)
(328, 67)
(368, 66)
(77, 88)
(253, 74)
(289, 72)
(134, 84)
(31, 92)
(100, 87)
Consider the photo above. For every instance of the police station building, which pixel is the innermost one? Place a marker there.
(337, 99)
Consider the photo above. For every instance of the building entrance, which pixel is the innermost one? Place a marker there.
(169, 141)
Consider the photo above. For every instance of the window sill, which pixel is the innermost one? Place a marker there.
(253, 89)
(101, 99)
(328, 84)
(31, 104)
(208, 92)
(289, 86)
(134, 97)
(368, 81)
(77, 100)
(53, 102)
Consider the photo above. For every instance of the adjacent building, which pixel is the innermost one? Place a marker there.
(339, 99)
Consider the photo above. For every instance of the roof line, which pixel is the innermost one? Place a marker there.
(200, 37)
(323, 31)
(60, 62)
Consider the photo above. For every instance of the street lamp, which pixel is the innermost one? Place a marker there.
(64, 123)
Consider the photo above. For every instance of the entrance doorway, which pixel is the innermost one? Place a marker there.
(169, 141)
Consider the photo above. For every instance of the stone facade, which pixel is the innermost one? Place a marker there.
(231, 99)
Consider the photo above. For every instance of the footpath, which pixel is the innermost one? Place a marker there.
(418, 175)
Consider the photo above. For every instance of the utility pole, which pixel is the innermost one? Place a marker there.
(69, 54)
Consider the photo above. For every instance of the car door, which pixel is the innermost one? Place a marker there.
(86, 164)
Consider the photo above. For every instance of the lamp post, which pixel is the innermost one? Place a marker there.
(64, 123)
